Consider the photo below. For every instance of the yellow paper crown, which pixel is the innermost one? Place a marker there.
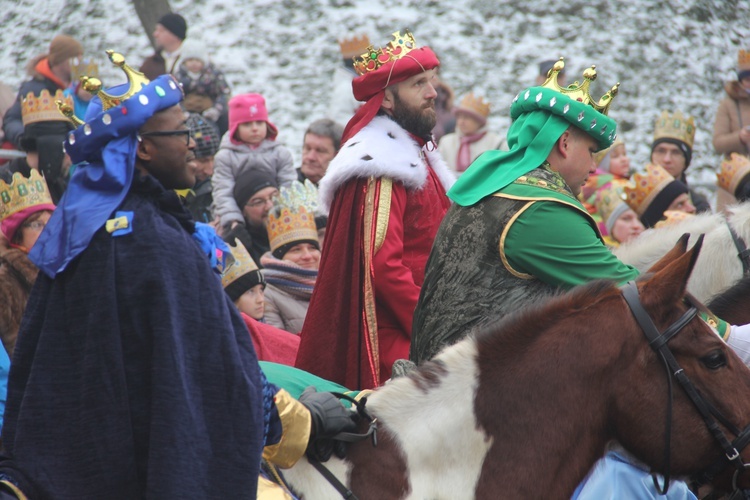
(675, 126)
(672, 217)
(743, 60)
(580, 91)
(643, 187)
(354, 46)
(237, 265)
(22, 193)
(599, 155)
(732, 171)
(83, 66)
(293, 215)
(43, 108)
(374, 58)
(607, 200)
(475, 104)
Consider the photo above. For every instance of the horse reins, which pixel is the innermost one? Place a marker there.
(349, 437)
(711, 416)
(742, 252)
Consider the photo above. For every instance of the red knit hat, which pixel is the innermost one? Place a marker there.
(403, 62)
(245, 108)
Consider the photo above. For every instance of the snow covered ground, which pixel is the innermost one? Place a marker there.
(670, 54)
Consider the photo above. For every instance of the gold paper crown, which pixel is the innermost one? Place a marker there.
(373, 58)
(580, 91)
(643, 187)
(354, 46)
(599, 155)
(83, 66)
(607, 200)
(732, 171)
(23, 193)
(136, 81)
(239, 264)
(43, 108)
(293, 215)
(475, 104)
(675, 126)
(672, 217)
(743, 60)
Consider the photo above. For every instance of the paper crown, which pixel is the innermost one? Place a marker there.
(354, 46)
(675, 126)
(733, 170)
(83, 66)
(580, 91)
(293, 215)
(43, 108)
(743, 60)
(374, 58)
(609, 201)
(672, 217)
(114, 116)
(475, 105)
(599, 155)
(644, 187)
(238, 265)
(23, 193)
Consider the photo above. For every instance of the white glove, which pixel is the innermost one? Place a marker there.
(211, 114)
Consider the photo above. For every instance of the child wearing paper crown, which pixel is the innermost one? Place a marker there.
(248, 147)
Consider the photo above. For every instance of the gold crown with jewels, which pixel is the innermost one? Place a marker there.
(374, 58)
(43, 108)
(22, 193)
(732, 171)
(239, 264)
(580, 91)
(643, 187)
(675, 126)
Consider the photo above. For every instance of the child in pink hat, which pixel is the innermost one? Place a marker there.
(248, 148)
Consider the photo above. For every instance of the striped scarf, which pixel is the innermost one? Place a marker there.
(288, 276)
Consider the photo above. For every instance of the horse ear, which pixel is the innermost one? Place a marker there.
(673, 254)
(670, 281)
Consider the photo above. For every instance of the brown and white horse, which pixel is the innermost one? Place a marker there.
(525, 409)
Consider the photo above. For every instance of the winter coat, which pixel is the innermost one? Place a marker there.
(17, 276)
(210, 83)
(733, 113)
(284, 310)
(12, 121)
(451, 143)
(234, 160)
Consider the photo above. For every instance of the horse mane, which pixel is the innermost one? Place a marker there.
(523, 326)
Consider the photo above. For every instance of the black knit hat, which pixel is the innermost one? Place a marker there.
(175, 23)
(249, 184)
(204, 134)
(661, 202)
(686, 150)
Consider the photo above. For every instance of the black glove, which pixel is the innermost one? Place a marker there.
(329, 417)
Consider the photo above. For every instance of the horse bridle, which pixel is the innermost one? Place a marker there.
(742, 252)
(711, 416)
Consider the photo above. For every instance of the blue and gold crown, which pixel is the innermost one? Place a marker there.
(292, 218)
(119, 112)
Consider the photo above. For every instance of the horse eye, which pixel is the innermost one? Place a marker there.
(715, 360)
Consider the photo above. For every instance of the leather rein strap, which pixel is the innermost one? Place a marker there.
(742, 252)
(658, 342)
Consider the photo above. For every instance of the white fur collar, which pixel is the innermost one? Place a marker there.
(382, 149)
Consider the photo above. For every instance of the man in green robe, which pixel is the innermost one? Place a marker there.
(516, 231)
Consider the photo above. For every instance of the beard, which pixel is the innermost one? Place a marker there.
(419, 121)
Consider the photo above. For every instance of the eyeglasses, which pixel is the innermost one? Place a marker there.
(36, 225)
(259, 202)
(165, 133)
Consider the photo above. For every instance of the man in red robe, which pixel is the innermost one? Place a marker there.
(385, 191)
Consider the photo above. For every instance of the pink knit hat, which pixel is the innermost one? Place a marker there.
(245, 108)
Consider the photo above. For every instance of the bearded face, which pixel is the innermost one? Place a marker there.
(417, 116)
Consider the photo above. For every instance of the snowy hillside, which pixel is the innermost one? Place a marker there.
(666, 54)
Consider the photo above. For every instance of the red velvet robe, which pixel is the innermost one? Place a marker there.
(378, 240)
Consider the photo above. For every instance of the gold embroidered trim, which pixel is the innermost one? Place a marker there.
(384, 212)
(370, 319)
(501, 248)
(296, 425)
(16, 491)
(572, 205)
